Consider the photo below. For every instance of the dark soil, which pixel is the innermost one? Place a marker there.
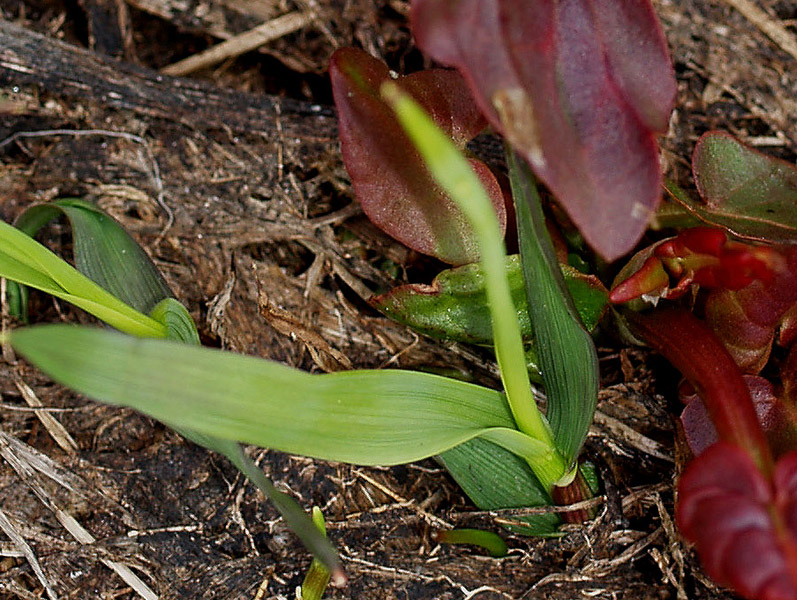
(251, 252)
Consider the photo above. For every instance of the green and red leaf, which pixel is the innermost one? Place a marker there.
(744, 191)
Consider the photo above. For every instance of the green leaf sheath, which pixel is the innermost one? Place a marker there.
(455, 175)
(568, 360)
(365, 417)
(494, 478)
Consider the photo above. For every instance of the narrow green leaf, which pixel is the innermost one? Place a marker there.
(24, 260)
(519, 443)
(568, 360)
(365, 417)
(494, 478)
(454, 174)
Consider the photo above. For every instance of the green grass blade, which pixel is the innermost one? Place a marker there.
(364, 417)
(567, 357)
(24, 260)
(103, 251)
(317, 578)
(454, 174)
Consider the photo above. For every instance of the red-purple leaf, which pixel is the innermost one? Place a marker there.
(746, 320)
(578, 87)
(742, 524)
(388, 175)
(700, 431)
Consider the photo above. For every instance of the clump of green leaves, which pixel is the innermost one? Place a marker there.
(219, 399)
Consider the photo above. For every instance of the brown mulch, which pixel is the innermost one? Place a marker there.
(234, 185)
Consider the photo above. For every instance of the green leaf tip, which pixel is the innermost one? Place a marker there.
(488, 540)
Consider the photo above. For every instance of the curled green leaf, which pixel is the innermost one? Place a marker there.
(454, 306)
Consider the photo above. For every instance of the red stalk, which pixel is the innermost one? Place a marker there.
(695, 351)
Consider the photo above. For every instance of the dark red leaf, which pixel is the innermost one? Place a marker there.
(578, 87)
(742, 524)
(388, 176)
(700, 431)
(746, 320)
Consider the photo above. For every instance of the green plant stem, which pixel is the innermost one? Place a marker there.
(454, 174)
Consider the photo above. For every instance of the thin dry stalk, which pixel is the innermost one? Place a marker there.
(9, 529)
(772, 28)
(240, 44)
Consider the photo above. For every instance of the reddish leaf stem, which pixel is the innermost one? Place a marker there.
(695, 351)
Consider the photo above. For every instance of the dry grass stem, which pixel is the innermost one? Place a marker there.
(27, 552)
(771, 27)
(240, 44)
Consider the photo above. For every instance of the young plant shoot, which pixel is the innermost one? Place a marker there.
(366, 417)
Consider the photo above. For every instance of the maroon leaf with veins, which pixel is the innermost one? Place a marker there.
(743, 525)
(579, 87)
(388, 175)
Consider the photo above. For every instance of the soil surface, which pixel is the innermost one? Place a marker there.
(231, 179)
